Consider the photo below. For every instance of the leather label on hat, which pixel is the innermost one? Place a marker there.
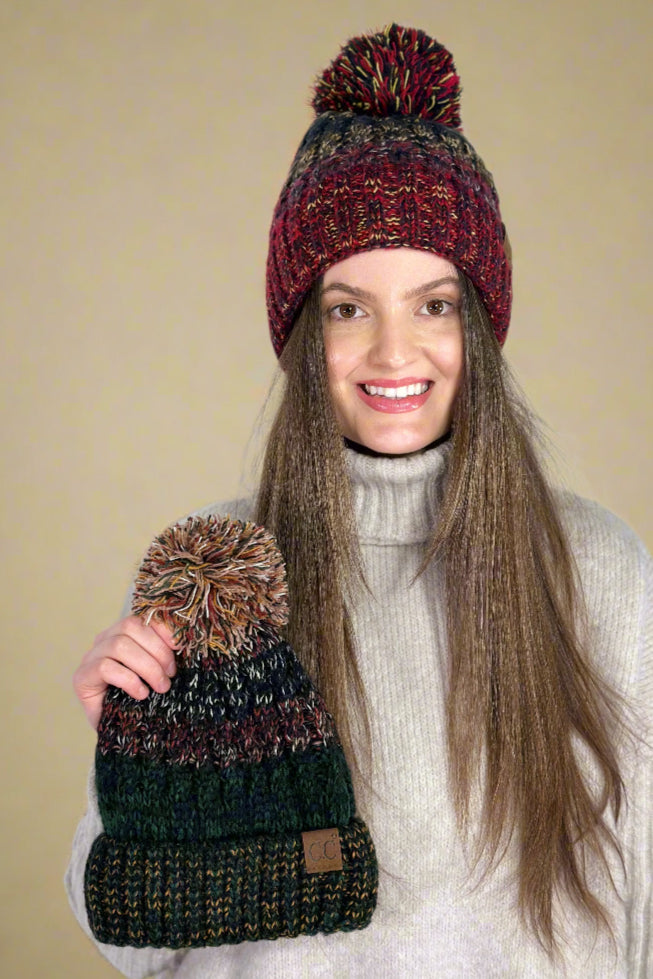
(322, 851)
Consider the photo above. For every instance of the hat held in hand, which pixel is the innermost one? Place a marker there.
(227, 803)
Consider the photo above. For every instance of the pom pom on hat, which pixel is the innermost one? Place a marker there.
(213, 582)
(399, 71)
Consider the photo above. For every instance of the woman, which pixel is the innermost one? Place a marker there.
(480, 639)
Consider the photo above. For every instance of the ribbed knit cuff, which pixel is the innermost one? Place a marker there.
(193, 895)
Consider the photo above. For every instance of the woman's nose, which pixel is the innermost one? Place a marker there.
(392, 345)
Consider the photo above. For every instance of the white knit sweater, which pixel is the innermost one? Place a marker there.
(434, 918)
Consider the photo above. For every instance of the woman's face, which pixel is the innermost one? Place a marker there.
(394, 347)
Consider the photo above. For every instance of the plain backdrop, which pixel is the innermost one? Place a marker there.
(144, 143)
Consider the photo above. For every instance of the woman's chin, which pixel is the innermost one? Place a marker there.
(394, 446)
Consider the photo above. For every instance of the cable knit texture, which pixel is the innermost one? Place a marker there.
(431, 919)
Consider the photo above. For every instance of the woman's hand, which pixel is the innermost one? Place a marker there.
(129, 655)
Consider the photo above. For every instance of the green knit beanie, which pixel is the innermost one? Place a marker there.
(227, 803)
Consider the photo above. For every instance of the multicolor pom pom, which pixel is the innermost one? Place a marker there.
(213, 580)
(399, 71)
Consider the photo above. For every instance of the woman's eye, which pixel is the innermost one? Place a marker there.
(437, 307)
(345, 311)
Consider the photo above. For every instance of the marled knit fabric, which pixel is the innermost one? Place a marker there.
(431, 920)
(385, 165)
(205, 791)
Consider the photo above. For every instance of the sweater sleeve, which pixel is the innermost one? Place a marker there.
(136, 963)
(639, 847)
(616, 574)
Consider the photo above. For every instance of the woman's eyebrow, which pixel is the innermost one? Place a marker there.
(430, 286)
(349, 290)
(359, 293)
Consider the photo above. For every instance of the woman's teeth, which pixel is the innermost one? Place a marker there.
(404, 392)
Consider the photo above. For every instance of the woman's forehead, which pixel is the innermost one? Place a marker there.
(396, 265)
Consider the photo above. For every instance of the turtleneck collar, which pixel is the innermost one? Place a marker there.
(396, 498)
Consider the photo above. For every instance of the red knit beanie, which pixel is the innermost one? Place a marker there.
(385, 165)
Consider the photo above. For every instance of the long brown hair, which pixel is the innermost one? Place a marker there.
(521, 684)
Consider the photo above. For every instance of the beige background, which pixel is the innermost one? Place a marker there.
(143, 145)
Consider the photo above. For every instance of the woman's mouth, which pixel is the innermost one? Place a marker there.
(395, 396)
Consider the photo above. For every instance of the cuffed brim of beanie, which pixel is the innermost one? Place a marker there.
(214, 893)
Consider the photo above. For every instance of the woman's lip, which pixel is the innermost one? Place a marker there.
(384, 382)
(393, 406)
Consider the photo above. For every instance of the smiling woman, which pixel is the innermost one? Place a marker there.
(394, 347)
(479, 638)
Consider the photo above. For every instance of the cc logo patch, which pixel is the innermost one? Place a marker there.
(322, 852)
